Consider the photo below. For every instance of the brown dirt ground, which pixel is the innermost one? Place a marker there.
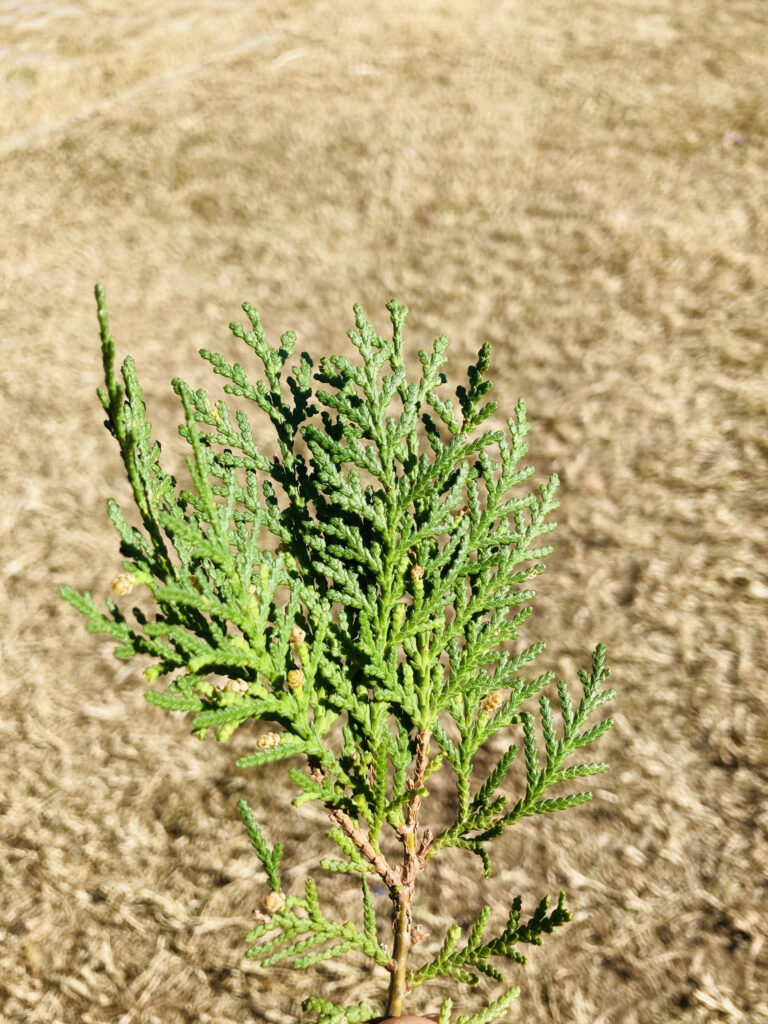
(558, 179)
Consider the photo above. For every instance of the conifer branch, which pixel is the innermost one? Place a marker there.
(390, 613)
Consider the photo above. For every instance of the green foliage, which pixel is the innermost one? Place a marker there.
(330, 1013)
(453, 963)
(305, 936)
(374, 572)
(269, 859)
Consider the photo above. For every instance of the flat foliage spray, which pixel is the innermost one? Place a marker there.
(360, 588)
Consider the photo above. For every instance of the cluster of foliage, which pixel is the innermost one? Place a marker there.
(397, 579)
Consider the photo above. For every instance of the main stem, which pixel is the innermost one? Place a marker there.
(402, 944)
(402, 895)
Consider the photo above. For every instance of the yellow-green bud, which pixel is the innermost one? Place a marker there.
(225, 731)
(214, 412)
(398, 616)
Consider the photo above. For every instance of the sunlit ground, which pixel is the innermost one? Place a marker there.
(586, 186)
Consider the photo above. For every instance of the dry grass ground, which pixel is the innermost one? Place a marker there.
(557, 179)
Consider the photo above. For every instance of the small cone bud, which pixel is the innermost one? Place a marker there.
(231, 685)
(491, 704)
(123, 583)
(297, 635)
(296, 678)
(268, 740)
(274, 902)
(417, 573)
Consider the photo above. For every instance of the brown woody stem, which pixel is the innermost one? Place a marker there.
(400, 882)
(364, 845)
(402, 944)
(414, 857)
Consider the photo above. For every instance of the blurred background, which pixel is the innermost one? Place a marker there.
(583, 185)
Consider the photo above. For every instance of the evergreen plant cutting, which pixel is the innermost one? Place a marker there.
(376, 632)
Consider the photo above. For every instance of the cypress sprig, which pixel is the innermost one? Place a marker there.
(453, 963)
(359, 588)
(330, 1013)
(270, 859)
(296, 929)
